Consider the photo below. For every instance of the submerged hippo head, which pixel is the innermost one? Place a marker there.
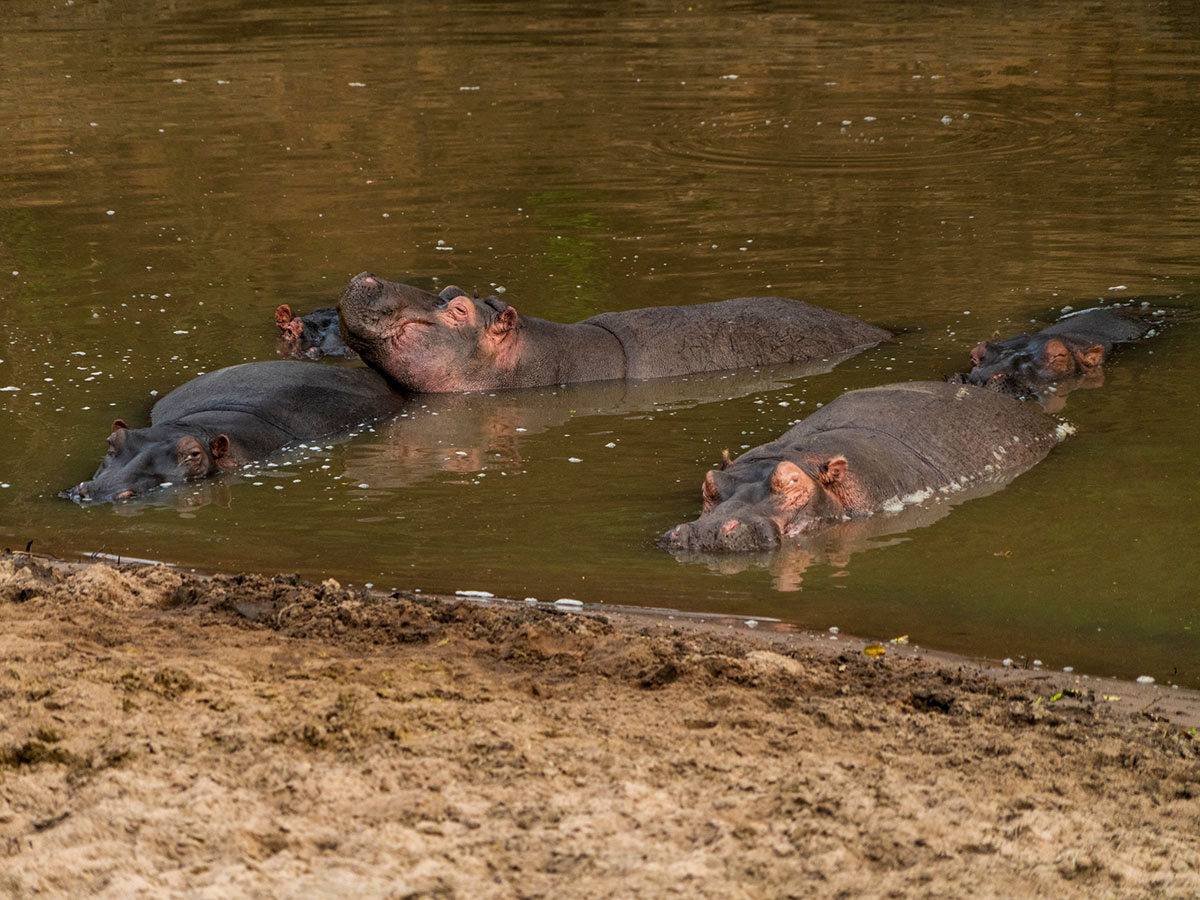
(311, 336)
(753, 506)
(424, 341)
(1029, 362)
(141, 459)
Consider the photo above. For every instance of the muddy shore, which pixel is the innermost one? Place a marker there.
(164, 734)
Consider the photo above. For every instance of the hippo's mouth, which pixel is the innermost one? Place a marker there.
(81, 494)
(799, 526)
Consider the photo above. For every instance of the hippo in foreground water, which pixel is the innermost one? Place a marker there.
(437, 343)
(225, 419)
(1075, 346)
(870, 451)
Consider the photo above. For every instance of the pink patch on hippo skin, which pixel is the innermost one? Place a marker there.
(729, 526)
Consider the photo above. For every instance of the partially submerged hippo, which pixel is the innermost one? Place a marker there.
(228, 418)
(869, 451)
(1076, 345)
(311, 336)
(432, 342)
(318, 334)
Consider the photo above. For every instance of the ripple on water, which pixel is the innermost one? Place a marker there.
(866, 136)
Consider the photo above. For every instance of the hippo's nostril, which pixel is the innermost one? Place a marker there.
(729, 526)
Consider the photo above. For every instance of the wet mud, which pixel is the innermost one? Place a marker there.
(167, 734)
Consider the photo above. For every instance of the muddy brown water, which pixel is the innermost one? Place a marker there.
(169, 173)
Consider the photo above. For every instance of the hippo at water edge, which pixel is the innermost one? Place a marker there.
(225, 419)
(438, 343)
(870, 451)
(1074, 347)
(318, 334)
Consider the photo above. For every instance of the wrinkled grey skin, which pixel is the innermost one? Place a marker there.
(224, 419)
(437, 343)
(1076, 345)
(312, 336)
(869, 451)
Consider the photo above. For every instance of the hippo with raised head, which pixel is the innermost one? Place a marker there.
(870, 451)
(318, 334)
(1075, 346)
(438, 343)
(224, 419)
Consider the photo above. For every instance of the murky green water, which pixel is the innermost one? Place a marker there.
(170, 172)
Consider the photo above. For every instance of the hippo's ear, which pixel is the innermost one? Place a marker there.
(283, 314)
(978, 352)
(505, 322)
(834, 470)
(118, 424)
(219, 446)
(710, 493)
(726, 460)
(1090, 357)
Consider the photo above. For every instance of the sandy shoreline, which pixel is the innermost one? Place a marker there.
(165, 734)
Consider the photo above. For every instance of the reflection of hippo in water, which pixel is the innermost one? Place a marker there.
(869, 451)
(430, 342)
(225, 419)
(1075, 346)
(471, 432)
(835, 545)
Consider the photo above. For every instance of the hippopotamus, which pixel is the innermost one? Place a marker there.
(318, 334)
(440, 343)
(311, 336)
(225, 419)
(1075, 345)
(869, 451)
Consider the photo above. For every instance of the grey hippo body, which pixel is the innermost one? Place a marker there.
(224, 419)
(437, 342)
(869, 451)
